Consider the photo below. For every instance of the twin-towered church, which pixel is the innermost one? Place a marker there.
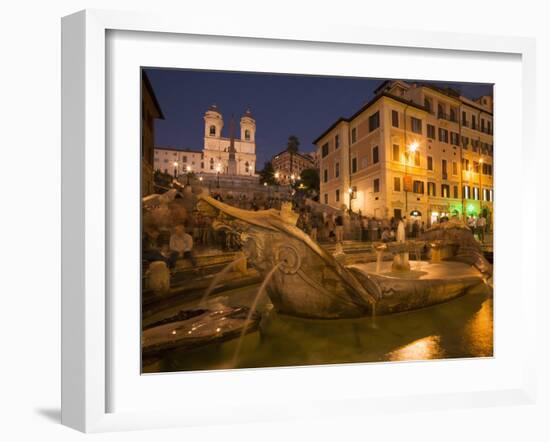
(220, 155)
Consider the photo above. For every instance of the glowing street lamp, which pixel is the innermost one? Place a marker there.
(276, 175)
(175, 169)
(188, 172)
(411, 149)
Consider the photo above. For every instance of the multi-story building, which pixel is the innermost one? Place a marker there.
(215, 156)
(178, 161)
(414, 150)
(150, 110)
(289, 165)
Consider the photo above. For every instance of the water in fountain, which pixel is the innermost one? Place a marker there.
(218, 278)
(417, 256)
(252, 310)
(373, 315)
(379, 254)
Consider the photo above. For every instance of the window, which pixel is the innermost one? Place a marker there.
(464, 119)
(483, 125)
(416, 125)
(431, 189)
(430, 163)
(246, 167)
(376, 185)
(441, 111)
(454, 138)
(417, 158)
(394, 118)
(444, 169)
(354, 135)
(455, 191)
(466, 192)
(337, 195)
(443, 135)
(476, 193)
(336, 141)
(326, 198)
(445, 191)
(374, 121)
(455, 168)
(431, 131)
(476, 167)
(324, 150)
(211, 163)
(465, 141)
(325, 175)
(397, 184)
(212, 130)
(375, 155)
(418, 186)
(453, 114)
(428, 105)
(353, 165)
(184, 158)
(337, 170)
(396, 154)
(473, 121)
(247, 134)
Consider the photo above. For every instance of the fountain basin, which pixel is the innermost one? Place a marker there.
(424, 285)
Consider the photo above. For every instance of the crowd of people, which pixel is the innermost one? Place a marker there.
(179, 242)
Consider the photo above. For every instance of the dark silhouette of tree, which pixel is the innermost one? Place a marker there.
(310, 179)
(292, 146)
(267, 174)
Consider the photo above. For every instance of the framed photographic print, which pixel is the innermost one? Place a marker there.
(249, 217)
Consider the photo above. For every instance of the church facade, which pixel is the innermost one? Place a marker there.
(233, 155)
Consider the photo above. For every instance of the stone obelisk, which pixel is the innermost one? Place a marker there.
(232, 163)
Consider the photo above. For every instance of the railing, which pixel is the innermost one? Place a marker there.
(442, 115)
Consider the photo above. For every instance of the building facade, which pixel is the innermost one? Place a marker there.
(414, 150)
(150, 110)
(214, 158)
(289, 165)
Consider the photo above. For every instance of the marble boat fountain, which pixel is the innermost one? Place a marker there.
(307, 281)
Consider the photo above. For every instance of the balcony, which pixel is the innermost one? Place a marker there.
(442, 115)
(465, 123)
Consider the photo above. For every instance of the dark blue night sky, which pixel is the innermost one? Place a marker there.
(282, 105)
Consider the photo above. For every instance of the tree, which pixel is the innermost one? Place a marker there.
(293, 144)
(267, 174)
(310, 179)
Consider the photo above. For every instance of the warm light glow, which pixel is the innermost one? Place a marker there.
(218, 168)
(292, 176)
(481, 161)
(200, 178)
(175, 164)
(174, 332)
(350, 190)
(277, 175)
(413, 146)
(188, 168)
(265, 184)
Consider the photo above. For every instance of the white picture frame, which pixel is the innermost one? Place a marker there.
(85, 199)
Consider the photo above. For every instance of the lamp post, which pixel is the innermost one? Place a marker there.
(480, 193)
(350, 192)
(175, 169)
(411, 149)
(277, 175)
(188, 172)
(218, 169)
